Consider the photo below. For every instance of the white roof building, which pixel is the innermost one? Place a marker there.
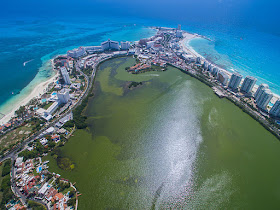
(65, 75)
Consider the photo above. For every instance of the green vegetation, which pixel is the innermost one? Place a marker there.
(134, 84)
(36, 123)
(21, 111)
(104, 82)
(63, 186)
(71, 202)
(34, 205)
(14, 136)
(6, 193)
(6, 168)
(38, 150)
(62, 162)
(78, 118)
(88, 70)
(47, 105)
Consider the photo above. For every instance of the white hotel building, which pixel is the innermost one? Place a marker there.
(63, 96)
(264, 99)
(65, 76)
(260, 90)
(76, 53)
(235, 81)
(150, 44)
(125, 45)
(248, 84)
(275, 110)
(110, 45)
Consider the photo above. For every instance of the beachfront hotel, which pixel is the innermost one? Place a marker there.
(150, 44)
(223, 78)
(65, 76)
(215, 71)
(264, 99)
(76, 53)
(93, 49)
(63, 96)
(235, 81)
(260, 90)
(125, 45)
(275, 110)
(179, 33)
(248, 84)
(110, 45)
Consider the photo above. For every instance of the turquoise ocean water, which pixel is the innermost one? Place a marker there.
(245, 50)
(38, 40)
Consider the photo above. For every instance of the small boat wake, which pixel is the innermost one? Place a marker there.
(26, 62)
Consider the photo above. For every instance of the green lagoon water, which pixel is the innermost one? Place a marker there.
(169, 144)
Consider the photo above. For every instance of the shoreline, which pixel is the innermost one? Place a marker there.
(184, 43)
(36, 91)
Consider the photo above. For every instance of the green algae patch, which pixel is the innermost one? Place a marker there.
(103, 78)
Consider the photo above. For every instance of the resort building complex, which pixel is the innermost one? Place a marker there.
(235, 81)
(275, 110)
(223, 78)
(110, 45)
(264, 98)
(76, 52)
(260, 90)
(125, 45)
(63, 96)
(248, 84)
(65, 75)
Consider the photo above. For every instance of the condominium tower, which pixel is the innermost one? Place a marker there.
(248, 84)
(275, 110)
(264, 99)
(235, 81)
(109, 44)
(260, 91)
(65, 75)
(125, 45)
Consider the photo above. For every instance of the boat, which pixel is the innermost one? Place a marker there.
(26, 62)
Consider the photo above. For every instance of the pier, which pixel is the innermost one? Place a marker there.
(218, 92)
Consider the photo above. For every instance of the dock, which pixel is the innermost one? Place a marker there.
(218, 92)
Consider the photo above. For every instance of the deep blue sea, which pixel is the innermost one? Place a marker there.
(236, 48)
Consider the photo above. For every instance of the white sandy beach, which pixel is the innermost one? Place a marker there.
(36, 92)
(184, 43)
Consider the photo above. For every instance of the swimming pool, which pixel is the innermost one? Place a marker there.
(39, 169)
